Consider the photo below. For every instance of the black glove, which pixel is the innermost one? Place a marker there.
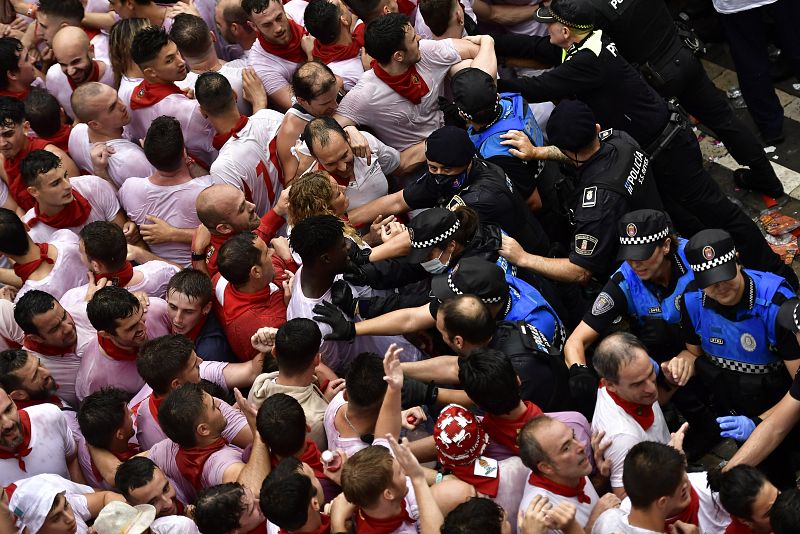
(362, 275)
(416, 393)
(342, 297)
(359, 256)
(343, 329)
(583, 386)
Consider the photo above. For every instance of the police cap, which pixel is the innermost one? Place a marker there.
(450, 146)
(571, 126)
(472, 276)
(712, 257)
(577, 14)
(640, 233)
(473, 91)
(433, 227)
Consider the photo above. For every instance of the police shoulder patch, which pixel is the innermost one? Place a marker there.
(602, 304)
(605, 134)
(589, 197)
(585, 244)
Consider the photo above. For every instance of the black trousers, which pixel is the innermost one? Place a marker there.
(685, 78)
(691, 196)
(748, 40)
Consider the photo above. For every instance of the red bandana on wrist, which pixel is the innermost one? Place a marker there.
(221, 138)
(328, 53)
(47, 350)
(119, 278)
(16, 185)
(25, 270)
(737, 527)
(560, 489)
(93, 77)
(191, 461)
(154, 403)
(689, 514)
(148, 94)
(114, 352)
(61, 138)
(370, 525)
(485, 485)
(291, 51)
(409, 85)
(23, 449)
(642, 414)
(324, 527)
(505, 431)
(76, 213)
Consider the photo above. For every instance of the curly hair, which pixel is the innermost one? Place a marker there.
(310, 195)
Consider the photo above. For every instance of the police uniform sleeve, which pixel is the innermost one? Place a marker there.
(785, 341)
(514, 45)
(609, 304)
(690, 336)
(794, 390)
(422, 193)
(596, 240)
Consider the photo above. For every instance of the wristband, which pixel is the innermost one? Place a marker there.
(198, 256)
(439, 477)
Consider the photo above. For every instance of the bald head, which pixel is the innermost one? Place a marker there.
(217, 204)
(100, 107)
(85, 100)
(70, 41)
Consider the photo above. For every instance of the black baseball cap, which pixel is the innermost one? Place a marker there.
(789, 315)
(577, 14)
(640, 232)
(472, 276)
(430, 228)
(712, 257)
(473, 91)
(571, 125)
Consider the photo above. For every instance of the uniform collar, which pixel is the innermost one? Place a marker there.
(747, 302)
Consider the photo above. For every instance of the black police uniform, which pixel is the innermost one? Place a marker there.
(594, 72)
(489, 192)
(646, 35)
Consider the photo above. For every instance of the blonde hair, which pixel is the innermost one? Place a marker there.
(310, 195)
(119, 45)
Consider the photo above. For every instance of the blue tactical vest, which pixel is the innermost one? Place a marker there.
(516, 115)
(750, 337)
(528, 305)
(642, 303)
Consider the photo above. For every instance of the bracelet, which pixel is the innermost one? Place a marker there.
(198, 256)
(439, 478)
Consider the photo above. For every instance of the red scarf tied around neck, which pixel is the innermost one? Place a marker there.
(642, 414)
(291, 51)
(114, 352)
(328, 53)
(148, 94)
(737, 527)
(154, 403)
(410, 85)
(221, 138)
(61, 138)
(324, 527)
(48, 350)
(25, 270)
(94, 76)
(23, 449)
(689, 514)
(370, 525)
(195, 331)
(76, 213)
(16, 185)
(505, 431)
(119, 278)
(191, 461)
(560, 489)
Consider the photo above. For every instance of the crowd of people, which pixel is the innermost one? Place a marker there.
(388, 266)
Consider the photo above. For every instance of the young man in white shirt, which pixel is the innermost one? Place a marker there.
(233, 24)
(75, 65)
(53, 15)
(338, 42)
(97, 144)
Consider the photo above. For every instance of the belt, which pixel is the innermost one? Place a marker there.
(744, 367)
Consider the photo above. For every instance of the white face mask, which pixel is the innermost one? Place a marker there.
(435, 266)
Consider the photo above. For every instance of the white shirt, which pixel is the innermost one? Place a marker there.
(424, 31)
(615, 521)
(127, 160)
(68, 270)
(624, 432)
(349, 70)
(582, 510)
(275, 72)
(51, 442)
(58, 84)
(173, 203)
(296, 9)
(101, 196)
(249, 160)
(396, 120)
(126, 87)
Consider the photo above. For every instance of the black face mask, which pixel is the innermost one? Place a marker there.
(452, 182)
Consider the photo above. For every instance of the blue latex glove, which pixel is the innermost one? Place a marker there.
(656, 367)
(737, 427)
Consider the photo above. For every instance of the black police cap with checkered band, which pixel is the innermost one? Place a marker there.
(712, 257)
(640, 233)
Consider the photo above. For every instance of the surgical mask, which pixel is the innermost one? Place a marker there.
(434, 266)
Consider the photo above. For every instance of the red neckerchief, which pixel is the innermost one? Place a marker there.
(195, 331)
(10, 342)
(147, 94)
(19, 95)
(560, 489)
(90, 33)
(211, 252)
(737, 527)
(93, 77)
(406, 7)
(27, 403)
(238, 302)
(486, 485)
(154, 403)
(313, 458)
(370, 525)
(23, 449)
(291, 51)
(221, 138)
(119, 278)
(410, 85)
(25, 270)
(114, 352)
(132, 451)
(505, 431)
(76, 213)
(16, 185)
(689, 514)
(61, 138)
(48, 350)
(191, 461)
(641, 414)
(324, 527)
(328, 53)
(260, 529)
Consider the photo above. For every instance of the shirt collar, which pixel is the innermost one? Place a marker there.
(747, 302)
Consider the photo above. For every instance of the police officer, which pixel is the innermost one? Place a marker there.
(589, 67)
(612, 177)
(456, 177)
(733, 341)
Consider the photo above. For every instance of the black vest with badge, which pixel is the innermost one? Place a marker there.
(540, 367)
